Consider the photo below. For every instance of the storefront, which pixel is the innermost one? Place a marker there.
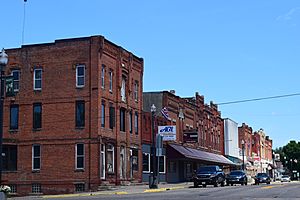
(182, 161)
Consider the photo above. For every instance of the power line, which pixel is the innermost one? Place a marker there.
(259, 99)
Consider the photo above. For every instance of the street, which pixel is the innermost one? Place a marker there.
(262, 191)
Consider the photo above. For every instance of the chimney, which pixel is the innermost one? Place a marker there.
(172, 92)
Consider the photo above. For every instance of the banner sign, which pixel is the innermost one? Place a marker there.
(190, 137)
(168, 132)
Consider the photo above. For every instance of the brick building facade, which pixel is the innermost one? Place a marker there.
(190, 116)
(75, 120)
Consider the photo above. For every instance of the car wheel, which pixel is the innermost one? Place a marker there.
(231, 184)
(196, 184)
(246, 182)
(204, 186)
(222, 183)
(268, 183)
(242, 183)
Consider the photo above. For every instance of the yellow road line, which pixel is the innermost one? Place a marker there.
(267, 187)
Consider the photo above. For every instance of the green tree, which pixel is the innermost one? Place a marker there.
(290, 155)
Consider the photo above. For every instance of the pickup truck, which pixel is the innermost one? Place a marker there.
(209, 175)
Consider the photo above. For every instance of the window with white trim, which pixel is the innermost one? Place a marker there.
(80, 156)
(80, 76)
(123, 89)
(110, 81)
(103, 114)
(103, 76)
(102, 163)
(16, 77)
(36, 157)
(146, 162)
(36, 188)
(37, 79)
(162, 164)
(110, 158)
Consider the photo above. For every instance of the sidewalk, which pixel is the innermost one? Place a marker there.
(116, 190)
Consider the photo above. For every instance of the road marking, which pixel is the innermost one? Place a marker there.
(120, 193)
(267, 187)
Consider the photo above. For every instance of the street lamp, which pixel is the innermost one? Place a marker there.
(243, 149)
(3, 63)
(153, 176)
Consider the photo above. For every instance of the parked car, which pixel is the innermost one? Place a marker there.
(209, 175)
(285, 178)
(262, 178)
(236, 177)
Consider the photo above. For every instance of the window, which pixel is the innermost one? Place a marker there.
(103, 76)
(37, 115)
(16, 78)
(136, 123)
(103, 114)
(80, 76)
(79, 156)
(37, 79)
(79, 187)
(130, 121)
(80, 112)
(122, 162)
(13, 189)
(135, 160)
(36, 188)
(110, 158)
(9, 157)
(36, 157)
(14, 117)
(146, 162)
(110, 81)
(162, 163)
(123, 89)
(122, 119)
(102, 164)
(111, 117)
(136, 90)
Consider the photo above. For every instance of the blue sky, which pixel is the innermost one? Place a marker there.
(225, 50)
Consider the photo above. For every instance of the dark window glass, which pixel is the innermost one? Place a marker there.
(111, 117)
(146, 167)
(80, 156)
(103, 114)
(36, 157)
(161, 164)
(135, 160)
(14, 117)
(9, 158)
(122, 119)
(80, 114)
(136, 123)
(37, 115)
(130, 122)
(16, 77)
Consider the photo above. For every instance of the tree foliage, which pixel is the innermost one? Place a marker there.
(290, 155)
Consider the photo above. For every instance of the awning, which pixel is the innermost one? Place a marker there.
(191, 153)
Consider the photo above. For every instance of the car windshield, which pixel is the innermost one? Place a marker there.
(285, 176)
(207, 169)
(236, 173)
(262, 175)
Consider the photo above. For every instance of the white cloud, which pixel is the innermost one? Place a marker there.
(288, 15)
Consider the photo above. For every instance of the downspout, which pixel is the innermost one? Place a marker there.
(90, 111)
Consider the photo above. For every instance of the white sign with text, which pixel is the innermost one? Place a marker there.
(168, 132)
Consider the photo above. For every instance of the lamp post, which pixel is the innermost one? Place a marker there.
(3, 63)
(153, 176)
(243, 152)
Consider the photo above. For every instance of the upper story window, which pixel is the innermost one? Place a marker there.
(122, 119)
(37, 115)
(16, 77)
(103, 76)
(130, 121)
(110, 81)
(37, 79)
(111, 116)
(136, 123)
(123, 89)
(136, 91)
(79, 114)
(103, 114)
(14, 117)
(80, 76)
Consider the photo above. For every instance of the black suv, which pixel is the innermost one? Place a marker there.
(209, 175)
(236, 176)
(262, 178)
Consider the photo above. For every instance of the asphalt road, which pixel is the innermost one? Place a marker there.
(278, 190)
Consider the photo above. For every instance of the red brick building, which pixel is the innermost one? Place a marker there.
(198, 127)
(245, 134)
(75, 120)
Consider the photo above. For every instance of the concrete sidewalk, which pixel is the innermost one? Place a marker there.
(116, 190)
